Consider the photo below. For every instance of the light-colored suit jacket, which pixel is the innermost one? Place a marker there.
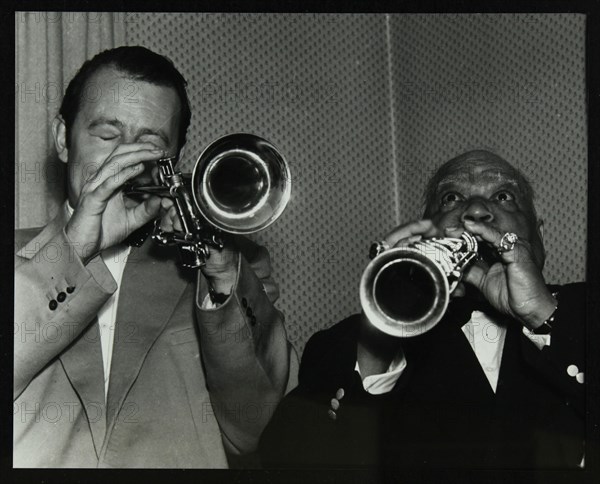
(186, 384)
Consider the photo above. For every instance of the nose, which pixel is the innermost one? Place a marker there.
(477, 211)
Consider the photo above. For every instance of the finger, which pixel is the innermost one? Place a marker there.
(485, 232)
(109, 185)
(120, 150)
(475, 276)
(459, 291)
(335, 404)
(125, 148)
(454, 231)
(166, 224)
(170, 222)
(176, 220)
(520, 253)
(144, 212)
(423, 228)
(407, 241)
(117, 164)
(155, 174)
(114, 174)
(166, 204)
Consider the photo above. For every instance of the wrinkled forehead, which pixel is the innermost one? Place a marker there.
(474, 172)
(479, 170)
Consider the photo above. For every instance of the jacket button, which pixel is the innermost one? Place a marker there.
(572, 370)
(70, 289)
(53, 305)
(244, 303)
(253, 320)
(580, 378)
(249, 312)
(61, 297)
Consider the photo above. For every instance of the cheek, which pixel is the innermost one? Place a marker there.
(84, 162)
(446, 219)
(80, 172)
(511, 219)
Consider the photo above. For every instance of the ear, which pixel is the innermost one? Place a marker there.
(59, 131)
(181, 153)
(539, 225)
(540, 229)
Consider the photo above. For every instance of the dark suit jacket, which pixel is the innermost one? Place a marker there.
(186, 384)
(442, 411)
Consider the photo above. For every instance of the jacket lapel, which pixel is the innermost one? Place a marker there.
(82, 363)
(149, 292)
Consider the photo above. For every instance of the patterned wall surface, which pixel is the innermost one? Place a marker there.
(365, 106)
(513, 84)
(316, 87)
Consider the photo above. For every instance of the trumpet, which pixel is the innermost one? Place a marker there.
(240, 184)
(405, 291)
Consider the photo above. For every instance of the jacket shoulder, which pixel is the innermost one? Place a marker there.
(330, 351)
(335, 333)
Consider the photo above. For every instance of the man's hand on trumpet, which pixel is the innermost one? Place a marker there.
(102, 215)
(511, 280)
(512, 283)
(221, 265)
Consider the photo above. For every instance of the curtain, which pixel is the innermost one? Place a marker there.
(50, 47)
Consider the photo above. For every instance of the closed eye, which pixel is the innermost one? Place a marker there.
(105, 133)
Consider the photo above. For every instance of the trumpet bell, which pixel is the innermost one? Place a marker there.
(404, 293)
(241, 184)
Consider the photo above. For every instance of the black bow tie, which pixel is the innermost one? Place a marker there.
(139, 236)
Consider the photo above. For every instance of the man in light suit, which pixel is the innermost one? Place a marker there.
(497, 383)
(122, 358)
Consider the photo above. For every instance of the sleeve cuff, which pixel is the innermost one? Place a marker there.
(539, 340)
(208, 304)
(95, 267)
(381, 383)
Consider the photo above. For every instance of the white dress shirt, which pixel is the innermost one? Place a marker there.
(485, 336)
(115, 258)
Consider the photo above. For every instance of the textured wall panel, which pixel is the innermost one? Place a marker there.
(513, 84)
(317, 87)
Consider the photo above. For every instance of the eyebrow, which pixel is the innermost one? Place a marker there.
(451, 180)
(119, 125)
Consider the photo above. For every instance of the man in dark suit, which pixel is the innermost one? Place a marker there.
(497, 383)
(123, 359)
